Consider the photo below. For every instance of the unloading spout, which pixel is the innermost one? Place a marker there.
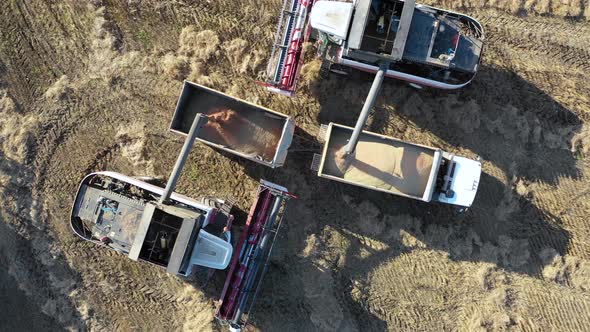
(198, 122)
(369, 102)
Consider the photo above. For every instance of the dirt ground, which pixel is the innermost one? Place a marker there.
(88, 86)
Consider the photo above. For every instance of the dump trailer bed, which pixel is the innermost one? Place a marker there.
(380, 163)
(400, 168)
(234, 125)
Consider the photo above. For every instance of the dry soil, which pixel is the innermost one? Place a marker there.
(88, 86)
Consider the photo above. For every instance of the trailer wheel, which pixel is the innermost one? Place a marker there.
(233, 327)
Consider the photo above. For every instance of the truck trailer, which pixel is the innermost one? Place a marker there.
(397, 167)
(234, 125)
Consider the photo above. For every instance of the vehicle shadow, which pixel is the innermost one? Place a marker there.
(499, 116)
(503, 228)
(327, 247)
(25, 284)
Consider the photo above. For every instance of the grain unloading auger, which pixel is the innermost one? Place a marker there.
(423, 45)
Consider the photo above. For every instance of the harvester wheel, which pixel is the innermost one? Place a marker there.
(212, 202)
(416, 86)
(233, 327)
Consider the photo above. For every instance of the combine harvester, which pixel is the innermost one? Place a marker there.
(149, 223)
(156, 225)
(422, 45)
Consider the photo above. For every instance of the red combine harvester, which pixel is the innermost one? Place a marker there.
(250, 262)
(287, 53)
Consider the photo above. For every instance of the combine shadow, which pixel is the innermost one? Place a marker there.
(24, 311)
(499, 116)
(503, 227)
(506, 120)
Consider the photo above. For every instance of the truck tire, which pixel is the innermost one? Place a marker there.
(212, 202)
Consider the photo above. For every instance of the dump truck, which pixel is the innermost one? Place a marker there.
(234, 125)
(422, 45)
(397, 167)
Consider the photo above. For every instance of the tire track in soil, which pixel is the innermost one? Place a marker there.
(568, 89)
(539, 39)
(65, 127)
(575, 31)
(570, 311)
(137, 301)
(132, 295)
(35, 49)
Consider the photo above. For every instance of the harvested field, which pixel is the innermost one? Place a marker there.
(88, 86)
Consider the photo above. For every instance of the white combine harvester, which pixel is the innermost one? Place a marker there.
(422, 45)
(158, 226)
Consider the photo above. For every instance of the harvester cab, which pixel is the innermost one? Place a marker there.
(190, 245)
